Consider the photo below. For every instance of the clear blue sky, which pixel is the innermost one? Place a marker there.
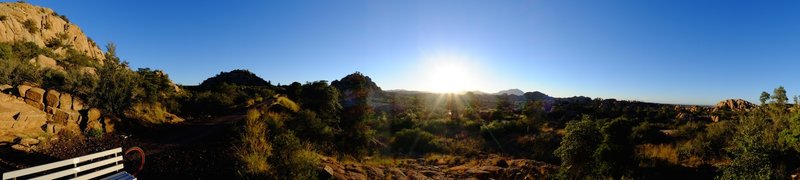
(690, 52)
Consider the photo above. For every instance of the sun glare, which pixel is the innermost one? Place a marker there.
(449, 74)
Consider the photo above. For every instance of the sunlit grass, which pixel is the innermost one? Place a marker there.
(255, 149)
(662, 152)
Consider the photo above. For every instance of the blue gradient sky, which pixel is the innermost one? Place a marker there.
(689, 52)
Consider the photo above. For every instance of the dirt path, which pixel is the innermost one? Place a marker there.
(197, 132)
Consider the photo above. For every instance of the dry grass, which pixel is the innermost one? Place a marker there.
(152, 113)
(255, 149)
(663, 152)
(443, 159)
(382, 161)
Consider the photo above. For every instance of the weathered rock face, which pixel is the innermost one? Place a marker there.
(52, 97)
(48, 25)
(17, 116)
(65, 101)
(734, 105)
(22, 89)
(40, 111)
(46, 62)
(36, 94)
(77, 104)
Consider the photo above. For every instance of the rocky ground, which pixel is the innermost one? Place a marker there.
(204, 150)
(440, 167)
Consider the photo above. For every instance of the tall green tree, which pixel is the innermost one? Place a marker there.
(577, 149)
(764, 97)
(779, 96)
(356, 90)
(614, 155)
(116, 85)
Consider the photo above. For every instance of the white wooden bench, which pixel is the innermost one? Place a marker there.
(84, 167)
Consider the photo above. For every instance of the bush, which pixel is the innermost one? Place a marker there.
(3, 17)
(540, 146)
(61, 16)
(310, 127)
(292, 160)
(647, 132)
(53, 78)
(30, 26)
(16, 72)
(689, 130)
(414, 141)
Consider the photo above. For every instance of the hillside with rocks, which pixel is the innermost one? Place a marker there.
(43, 26)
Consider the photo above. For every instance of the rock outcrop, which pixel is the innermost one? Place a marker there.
(42, 111)
(29, 23)
(734, 105)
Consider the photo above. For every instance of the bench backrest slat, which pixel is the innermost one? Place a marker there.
(49, 166)
(72, 171)
(100, 172)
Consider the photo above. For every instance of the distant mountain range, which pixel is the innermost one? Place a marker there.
(503, 92)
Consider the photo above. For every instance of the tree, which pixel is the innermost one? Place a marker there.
(356, 90)
(116, 85)
(796, 101)
(764, 97)
(779, 96)
(754, 147)
(577, 148)
(321, 98)
(504, 109)
(778, 105)
(614, 155)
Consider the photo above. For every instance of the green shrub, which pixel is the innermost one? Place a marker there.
(95, 133)
(414, 141)
(53, 78)
(647, 132)
(402, 121)
(689, 130)
(30, 26)
(61, 16)
(16, 72)
(292, 160)
(3, 17)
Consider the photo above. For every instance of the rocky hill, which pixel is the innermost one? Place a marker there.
(734, 105)
(237, 77)
(510, 92)
(43, 26)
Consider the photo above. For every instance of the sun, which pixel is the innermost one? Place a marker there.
(449, 75)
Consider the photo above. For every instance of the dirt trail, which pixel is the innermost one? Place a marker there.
(175, 136)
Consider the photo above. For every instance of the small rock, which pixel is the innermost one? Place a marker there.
(396, 173)
(21, 148)
(22, 89)
(77, 104)
(93, 114)
(5, 88)
(52, 98)
(36, 94)
(29, 141)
